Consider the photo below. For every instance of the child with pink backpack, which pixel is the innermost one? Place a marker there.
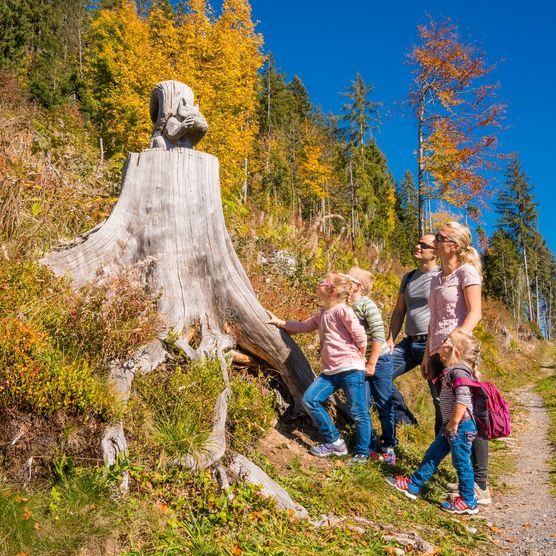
(460, 387)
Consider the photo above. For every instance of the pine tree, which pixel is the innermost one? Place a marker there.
(44, 41)
(360, 116)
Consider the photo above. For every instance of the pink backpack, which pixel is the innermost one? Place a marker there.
(490, 409)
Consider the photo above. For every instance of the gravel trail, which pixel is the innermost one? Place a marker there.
(524, 519)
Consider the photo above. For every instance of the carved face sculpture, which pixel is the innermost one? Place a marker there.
(184, 108)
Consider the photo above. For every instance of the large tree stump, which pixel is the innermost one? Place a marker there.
(169, 222)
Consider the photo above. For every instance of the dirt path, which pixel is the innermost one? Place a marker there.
(524, 519)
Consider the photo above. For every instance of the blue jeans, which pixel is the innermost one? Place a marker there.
(460, 445)
(379, 390)
(353, 385)
(406, 356)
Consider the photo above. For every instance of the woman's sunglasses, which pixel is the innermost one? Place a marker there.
(424, 245)
(444, 239)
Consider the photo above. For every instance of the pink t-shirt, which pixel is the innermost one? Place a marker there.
(447, 303)
(341, 337)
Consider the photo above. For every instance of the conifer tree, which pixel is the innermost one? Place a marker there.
(517, 211)
(44, 41)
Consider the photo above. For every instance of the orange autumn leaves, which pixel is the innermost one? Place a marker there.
(459, 115)
(218, 57)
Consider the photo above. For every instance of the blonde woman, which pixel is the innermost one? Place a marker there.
(455, 302)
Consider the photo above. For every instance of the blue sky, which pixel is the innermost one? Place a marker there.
(325, 43)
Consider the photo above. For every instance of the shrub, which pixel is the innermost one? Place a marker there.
(55, 344)
(35, 377)
(109, 320)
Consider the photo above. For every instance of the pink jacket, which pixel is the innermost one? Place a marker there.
(341, 337)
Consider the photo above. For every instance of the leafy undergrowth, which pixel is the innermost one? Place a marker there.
(55, 349)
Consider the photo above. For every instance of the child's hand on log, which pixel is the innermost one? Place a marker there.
(274, 320)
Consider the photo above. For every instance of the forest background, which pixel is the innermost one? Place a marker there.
(302, 191)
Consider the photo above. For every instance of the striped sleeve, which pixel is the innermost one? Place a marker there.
(373, 318)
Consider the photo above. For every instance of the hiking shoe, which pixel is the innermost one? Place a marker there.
(458, 506)
(389, 456)
(359, 458)
(403, 484)
(328, 449)
(482, 496)
(452, 487)
(375, 456)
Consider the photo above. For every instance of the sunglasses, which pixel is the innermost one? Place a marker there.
(424, 245)
(444, 239)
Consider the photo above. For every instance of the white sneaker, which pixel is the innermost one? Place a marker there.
(482, 496)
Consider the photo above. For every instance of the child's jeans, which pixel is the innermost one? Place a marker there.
(379, 390)
(353, 385)
(460, 445)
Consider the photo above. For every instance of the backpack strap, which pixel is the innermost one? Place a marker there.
(455, 382)
(465, 382)
(407, 278)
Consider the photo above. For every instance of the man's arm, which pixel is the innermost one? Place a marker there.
(396, 322)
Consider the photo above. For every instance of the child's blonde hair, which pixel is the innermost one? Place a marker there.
(342, 285)
(364, 277)
(470, 351)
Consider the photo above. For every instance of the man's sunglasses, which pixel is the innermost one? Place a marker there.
(444, 239)
(424, 245)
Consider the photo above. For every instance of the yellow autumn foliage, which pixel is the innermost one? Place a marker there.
(218, 57)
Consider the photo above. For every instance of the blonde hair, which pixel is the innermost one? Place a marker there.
(364, 277)
(466, 254)
(470, 351)
(342, 285)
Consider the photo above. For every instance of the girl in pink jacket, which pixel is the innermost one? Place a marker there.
(342, 347)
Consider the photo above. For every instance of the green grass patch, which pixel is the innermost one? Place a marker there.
(171, 411)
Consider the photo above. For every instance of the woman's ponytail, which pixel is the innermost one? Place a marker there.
(466, 254)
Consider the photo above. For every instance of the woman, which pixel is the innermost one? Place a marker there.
(455, 302)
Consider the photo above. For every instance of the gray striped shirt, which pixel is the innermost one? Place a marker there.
(450, 396)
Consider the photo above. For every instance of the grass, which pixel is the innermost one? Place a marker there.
(73, 513)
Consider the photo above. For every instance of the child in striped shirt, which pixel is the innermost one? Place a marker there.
(378, 364)
(460, 354)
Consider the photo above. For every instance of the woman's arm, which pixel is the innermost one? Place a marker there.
(472, 296)
(425, 364)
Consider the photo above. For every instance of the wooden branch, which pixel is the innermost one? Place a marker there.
(243, 468)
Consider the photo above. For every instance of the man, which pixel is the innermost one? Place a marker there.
(413, 307)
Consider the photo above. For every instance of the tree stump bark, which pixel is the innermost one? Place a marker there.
(169, 222)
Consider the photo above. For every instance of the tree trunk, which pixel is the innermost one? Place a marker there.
(169, 221)
(420, 167)
(531, 316)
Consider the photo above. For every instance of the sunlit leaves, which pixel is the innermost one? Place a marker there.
(459, 116)
(218, 57)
